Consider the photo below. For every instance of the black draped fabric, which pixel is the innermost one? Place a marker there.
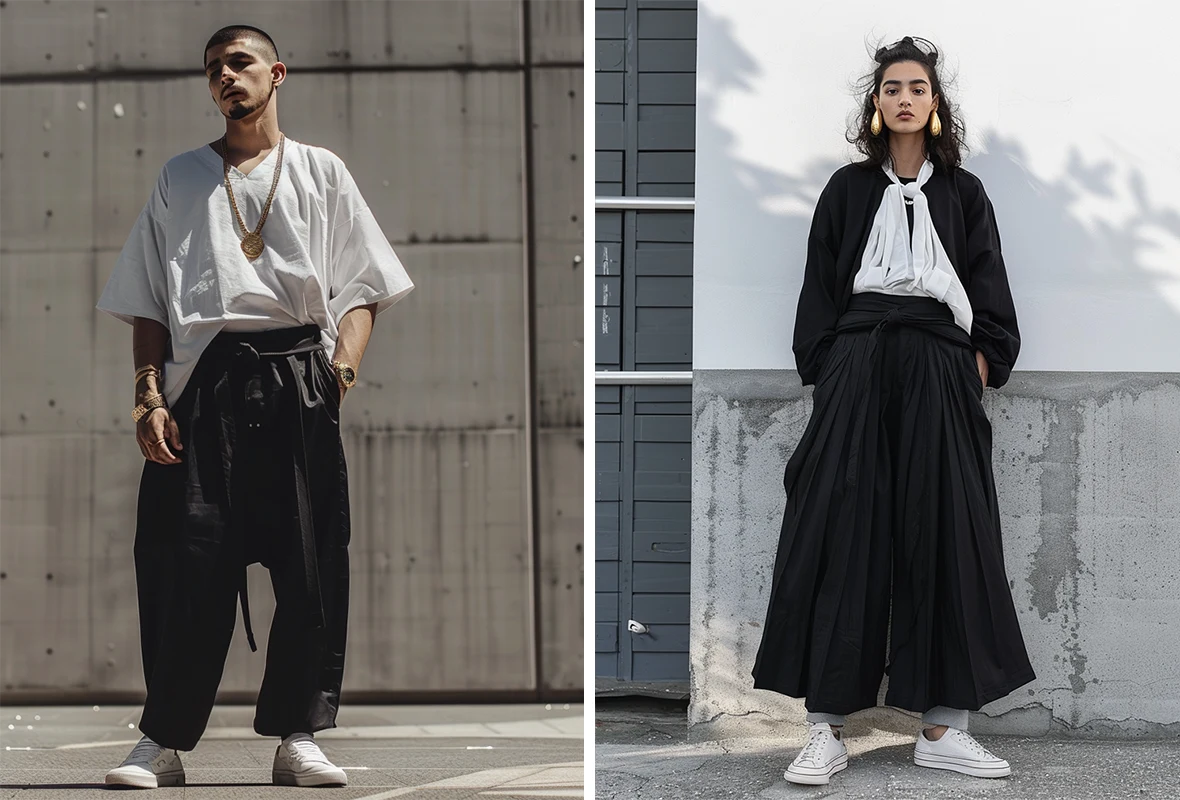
(965, 221)
(891, 532)
(262, 479)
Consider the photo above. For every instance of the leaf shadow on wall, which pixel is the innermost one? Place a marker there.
(1089, 287)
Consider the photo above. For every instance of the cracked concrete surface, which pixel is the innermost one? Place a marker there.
(643, 752)
(1086, 468)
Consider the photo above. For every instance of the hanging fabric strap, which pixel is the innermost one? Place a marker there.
(255, 369)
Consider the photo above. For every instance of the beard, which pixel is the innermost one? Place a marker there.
(243, 110)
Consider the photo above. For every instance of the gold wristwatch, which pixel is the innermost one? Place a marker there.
(155, 401)
(345, 373)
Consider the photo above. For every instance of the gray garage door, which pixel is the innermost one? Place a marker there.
(645, 135)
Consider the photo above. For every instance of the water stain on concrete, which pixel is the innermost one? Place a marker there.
(1056, 564)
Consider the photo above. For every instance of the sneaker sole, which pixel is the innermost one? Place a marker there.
(144, 781)
(310, 779)
(973, 769)
(817, 779)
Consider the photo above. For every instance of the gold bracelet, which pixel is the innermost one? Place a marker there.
(143, 372)
(153, 402)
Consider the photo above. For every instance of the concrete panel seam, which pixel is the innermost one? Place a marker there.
(94, 76)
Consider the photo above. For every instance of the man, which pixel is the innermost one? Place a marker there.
(253, 259)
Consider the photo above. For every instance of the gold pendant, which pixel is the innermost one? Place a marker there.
(252, 245)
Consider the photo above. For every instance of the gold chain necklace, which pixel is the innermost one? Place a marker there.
(251, 240)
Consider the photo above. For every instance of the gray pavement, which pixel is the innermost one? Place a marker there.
(642, 751)
(505, 752)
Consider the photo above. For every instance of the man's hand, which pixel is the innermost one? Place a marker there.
(154, 431)
(981, 363)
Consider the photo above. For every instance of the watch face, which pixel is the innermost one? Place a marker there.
(348, 375)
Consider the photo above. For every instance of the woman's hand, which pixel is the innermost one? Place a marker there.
(153, 432)
(981, 363)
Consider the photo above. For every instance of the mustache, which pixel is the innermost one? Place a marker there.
(243, 110)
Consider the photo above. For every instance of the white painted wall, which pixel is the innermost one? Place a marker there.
(1072, 119)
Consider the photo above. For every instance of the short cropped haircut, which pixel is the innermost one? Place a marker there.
(255, 36)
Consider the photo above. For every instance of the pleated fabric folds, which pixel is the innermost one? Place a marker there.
(890, 557)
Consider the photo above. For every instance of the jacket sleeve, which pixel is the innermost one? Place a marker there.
(815, 318)
(994, 330)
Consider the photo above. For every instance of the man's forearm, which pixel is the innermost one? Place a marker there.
(149, 343)
(355, 329)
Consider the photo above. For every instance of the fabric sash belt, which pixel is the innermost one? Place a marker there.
(259, 365)
(874, 312)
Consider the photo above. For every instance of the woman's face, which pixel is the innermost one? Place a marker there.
(904, 97)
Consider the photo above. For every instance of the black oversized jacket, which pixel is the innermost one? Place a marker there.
(966, 224)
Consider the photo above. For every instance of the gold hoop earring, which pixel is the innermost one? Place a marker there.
(875, 125)
(935, 125)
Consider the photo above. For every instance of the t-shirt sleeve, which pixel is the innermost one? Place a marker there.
(138, 286)
(364, 267)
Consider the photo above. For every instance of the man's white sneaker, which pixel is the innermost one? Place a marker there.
(957, 750)
(822, 757)
(149, 766)
(300, 762)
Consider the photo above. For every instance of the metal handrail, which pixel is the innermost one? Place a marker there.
(644, 203)
(620, 378)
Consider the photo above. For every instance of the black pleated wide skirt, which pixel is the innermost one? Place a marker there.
(890, 558)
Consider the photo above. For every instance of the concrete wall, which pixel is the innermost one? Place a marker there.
(1086, 469)
(462, 123)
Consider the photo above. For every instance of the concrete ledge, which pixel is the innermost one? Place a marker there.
(672, 690)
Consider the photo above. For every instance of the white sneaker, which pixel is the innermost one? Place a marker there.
(822, 757)
(958, 751)
(300, 762)
(149, 766)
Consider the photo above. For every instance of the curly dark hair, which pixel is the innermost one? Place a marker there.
(947, 150)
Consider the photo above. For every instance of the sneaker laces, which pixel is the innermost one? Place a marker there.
(815, 744)
(971, 744)
(146, 750)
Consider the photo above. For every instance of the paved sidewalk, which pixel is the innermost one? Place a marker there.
(642, 752)
(513, 752)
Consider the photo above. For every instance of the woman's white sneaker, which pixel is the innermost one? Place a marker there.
(149, 766)
(822, 757)
(958, 751)
(300, 762)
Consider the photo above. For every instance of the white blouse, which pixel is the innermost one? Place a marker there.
(899, 261)
(183, 265)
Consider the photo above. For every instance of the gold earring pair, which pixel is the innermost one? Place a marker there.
(935, 124)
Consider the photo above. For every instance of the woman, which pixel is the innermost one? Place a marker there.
(890, 558)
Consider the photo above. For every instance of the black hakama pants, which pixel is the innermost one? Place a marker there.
(890, 559)
(263, 479)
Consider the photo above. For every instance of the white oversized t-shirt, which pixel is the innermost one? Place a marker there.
(183, 265)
